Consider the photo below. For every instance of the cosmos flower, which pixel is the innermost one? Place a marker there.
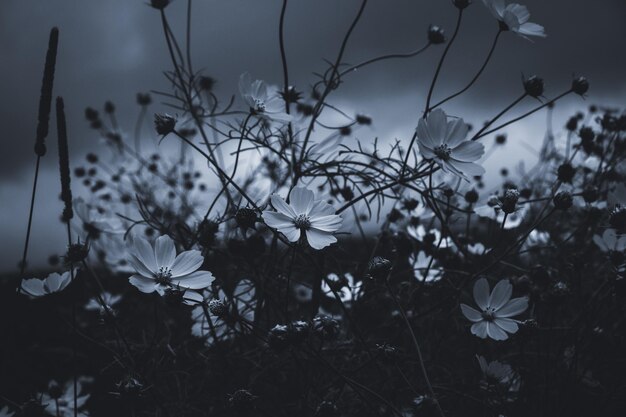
(419, 232)
(499, 377)
(54, 282)
(493, 210)
(514, 17)
(63, 406)
(262, 102)
(444, 142)
(316, 218)
(610, 241)
(109, 299)
(95, 221)
(158, 268)
(346, 287)
(420, 263)
(494, 319)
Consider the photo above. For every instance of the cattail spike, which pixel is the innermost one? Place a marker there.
(64, 161)
(45, 99)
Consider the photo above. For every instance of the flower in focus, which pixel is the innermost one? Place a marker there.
(316, 218)
(159, 269)
(494, 319)
(421, 264)
(63, 405)
(262, 102)
(444, 141)
(54, 282)
(514, 17)
(610, 241)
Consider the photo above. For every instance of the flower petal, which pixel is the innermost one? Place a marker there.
(319, 239)
(301, 199)
(470, 313)
(467, 168)
(423, 134)
(292, 233)
(507, 325)
(457, 132)
(195, 281)
(143, 284)
(186, 263)
(321, 208)
(33, 287)
(532, 29)
(479, 329)
(481, 293)
(468, 151)
(279, 204)
(513, 308)
(139, 267)
(164, 251)
(330, 223)
(144, 253)
(276, 220)
(437, 124)
(501, 294)
(495, 332)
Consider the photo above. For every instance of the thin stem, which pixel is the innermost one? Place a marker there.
(467, 87)
(496, 117)
(384, 57)
(30, 223)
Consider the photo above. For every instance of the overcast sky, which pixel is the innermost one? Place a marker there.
(109, 50)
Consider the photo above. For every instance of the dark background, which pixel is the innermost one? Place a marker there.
(109, 50)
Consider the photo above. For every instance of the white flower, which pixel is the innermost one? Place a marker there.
(5, 412)
(476, 249)
(610, 241)
(65, 402)
(95, 221)
(494, 211)
(316, 218)
(420, 263)
(109, 299)
(444, 141)
(515, 17)
(262, 103)
(346, 287)
(500, 374)
(158, 268)
(494, 319)
(54, 282)
(419, 232)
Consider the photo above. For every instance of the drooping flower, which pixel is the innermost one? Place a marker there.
(158, 268)
(423, 269)
(53, 283)
(304, 215)
(494, 319)
(444, 142)
(63, 406)
(262, 102)
(514, 17)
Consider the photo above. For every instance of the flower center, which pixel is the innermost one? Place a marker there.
(164, 275)
(489, 314)
(259, 105)
(302, 221)
(443, 152)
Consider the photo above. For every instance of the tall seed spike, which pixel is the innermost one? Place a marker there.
(45, 99)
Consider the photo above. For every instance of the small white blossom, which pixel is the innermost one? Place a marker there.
(53, 283)
(263, 102)
(445, 142)
(494, 319)
(304, 215)
(420, 263)
(158, 268)
(515, 17)
(64, 405)
(610, 241)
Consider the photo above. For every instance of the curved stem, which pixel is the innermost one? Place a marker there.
(384, 57)
(480, 71)
(492, 121)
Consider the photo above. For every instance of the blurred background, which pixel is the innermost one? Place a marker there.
(112, 50)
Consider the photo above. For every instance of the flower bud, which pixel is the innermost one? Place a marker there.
(363, 120)
(327, 409)
(500, 139)
(471, 196)
(617, 218)
(298, 331)
(246, 218)
(436, 35)
(533, 86)
(586, 133)
(563, 200)
(109, 107)
(509, 201)
(379, 267)
(291, 95)
(159, 4)
(218, 308)
(278, 337)
(143, 99)
(76, 253)
(461, 4)
(590, 194)
(325, 327)
(164, 123)
(206, 83)
(580, 85)
(565, 172)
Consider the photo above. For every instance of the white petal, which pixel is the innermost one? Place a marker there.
(501, 294)
(276, 220)
(481, 293)
(186, 263)
(164, 251)
(495, 332)
(468, 168)
(532, 29)
(139, 266)
(437, 123)
(330, 223)
(245, 82)
(457, 131)
(507, 325)
(292, 233)
(279, 204)
(319, 239)
(301, 199)
(143, 284)
(470, 313)
(321, 208)
(423, 135)
(33, 287)
(468, 151)
(479, 329)
(195, 281)
(426, 151)
(513, 308)
(144, 252)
